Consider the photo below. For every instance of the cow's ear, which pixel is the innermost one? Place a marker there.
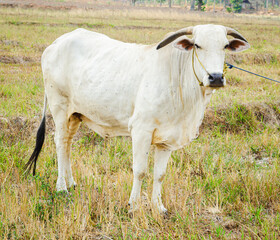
(184, 44)
(237, 45)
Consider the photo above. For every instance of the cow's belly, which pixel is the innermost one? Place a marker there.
(108, 129)
(107, 120)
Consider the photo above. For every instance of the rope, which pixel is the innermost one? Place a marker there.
(230, 66)
(200, 62)
(200, 83)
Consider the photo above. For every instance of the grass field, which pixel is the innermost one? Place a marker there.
(225, 185)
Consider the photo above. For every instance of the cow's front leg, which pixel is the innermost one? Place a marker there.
(141, 142)
(160, 159)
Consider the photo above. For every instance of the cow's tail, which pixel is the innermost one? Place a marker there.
(39, 142)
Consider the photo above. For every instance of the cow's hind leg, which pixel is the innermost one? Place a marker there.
(61, 141)
(141, 142)
(161, 158)
(65, 128)
(73, 125)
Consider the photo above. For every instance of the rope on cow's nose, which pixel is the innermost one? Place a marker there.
(194, 52)
(230, 66)
(225, 69)
(200, 61)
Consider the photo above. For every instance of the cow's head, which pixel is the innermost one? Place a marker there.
(208, 44)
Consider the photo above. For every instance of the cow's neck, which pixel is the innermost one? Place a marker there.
(188, 92)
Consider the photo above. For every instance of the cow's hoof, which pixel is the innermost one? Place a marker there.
(61, 185)
(72, 184)
(162, 210)
(166, 214)
(132, 208)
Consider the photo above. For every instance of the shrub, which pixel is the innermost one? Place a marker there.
(236, 5)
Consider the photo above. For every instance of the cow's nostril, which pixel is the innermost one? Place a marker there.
(211, 77)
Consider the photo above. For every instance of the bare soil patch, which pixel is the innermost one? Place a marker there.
(88, 25)
(18, 59)
(9, 42)
(253, 58)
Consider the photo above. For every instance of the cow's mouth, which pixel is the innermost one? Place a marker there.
(216, 85)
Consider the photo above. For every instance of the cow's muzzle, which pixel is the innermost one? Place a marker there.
(216, 80)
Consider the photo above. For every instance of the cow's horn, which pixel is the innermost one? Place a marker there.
(235, 34)
(171, 38)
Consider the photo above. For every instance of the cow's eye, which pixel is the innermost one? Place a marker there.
(197, 46)
(226, 46)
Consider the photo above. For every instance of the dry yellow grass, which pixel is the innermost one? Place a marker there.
(225, 185)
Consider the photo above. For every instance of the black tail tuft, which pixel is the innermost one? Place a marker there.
(39, 143)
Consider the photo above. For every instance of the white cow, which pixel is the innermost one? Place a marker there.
(156, 94)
